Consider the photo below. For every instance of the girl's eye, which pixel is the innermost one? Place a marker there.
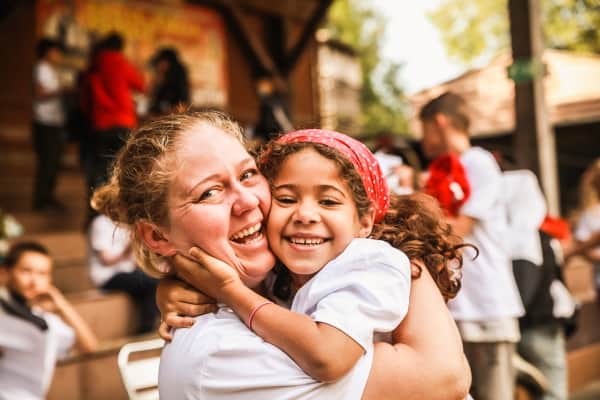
(329, 202)
(285, 200)
(248, 174)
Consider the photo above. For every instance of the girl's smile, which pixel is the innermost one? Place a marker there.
(313, 215)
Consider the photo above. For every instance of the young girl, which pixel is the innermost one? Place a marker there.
(329, 195)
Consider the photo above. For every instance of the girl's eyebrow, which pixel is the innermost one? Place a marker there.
(321, 188)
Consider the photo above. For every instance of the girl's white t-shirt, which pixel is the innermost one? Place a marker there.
(362, 291)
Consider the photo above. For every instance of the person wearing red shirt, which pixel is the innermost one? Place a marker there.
(111, 81)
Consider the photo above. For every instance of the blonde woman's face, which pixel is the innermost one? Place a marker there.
(218, 201)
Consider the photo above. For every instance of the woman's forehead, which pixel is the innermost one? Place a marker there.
(207, 151)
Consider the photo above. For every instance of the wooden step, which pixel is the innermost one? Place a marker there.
(92, 376)
(110, 315)
(72, 278)
(584, 367)
(66, 248)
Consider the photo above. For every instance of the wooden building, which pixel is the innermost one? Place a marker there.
(572, 85)
(226, 45)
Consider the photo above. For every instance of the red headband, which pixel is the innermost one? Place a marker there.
(358, 154)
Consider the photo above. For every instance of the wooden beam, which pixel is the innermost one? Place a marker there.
(534, 140)
(307, 33)
(299, 10)
(255, 43)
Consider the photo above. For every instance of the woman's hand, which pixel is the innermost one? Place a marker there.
(207, 274)
(178, 304)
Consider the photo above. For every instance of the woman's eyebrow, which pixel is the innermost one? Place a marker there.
(239, 165)
(202, 181)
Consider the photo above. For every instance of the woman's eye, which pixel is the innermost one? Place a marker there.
(248, 174)
(207, 195)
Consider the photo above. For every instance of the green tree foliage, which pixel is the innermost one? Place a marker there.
(471, 29)
(382, 97)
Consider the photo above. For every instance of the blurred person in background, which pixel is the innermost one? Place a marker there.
(488, 306)
(587, 228)
(48, 124)
(39, 325)
(111, 81)
(171, 85)
(113, 267)
(273, 118)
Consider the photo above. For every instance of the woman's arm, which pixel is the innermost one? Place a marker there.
(427, 359)
(321, 350)
(178, 303)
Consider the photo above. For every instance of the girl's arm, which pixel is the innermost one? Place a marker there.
(322, 351)
(427, 359)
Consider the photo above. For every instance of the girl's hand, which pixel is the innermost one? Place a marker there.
(206, 273)
(178, 304)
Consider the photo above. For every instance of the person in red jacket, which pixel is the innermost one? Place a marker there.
(110, 84)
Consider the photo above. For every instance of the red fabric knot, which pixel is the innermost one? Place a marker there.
(358, 154)
(448, 183)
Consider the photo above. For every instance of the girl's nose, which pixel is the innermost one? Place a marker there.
(306, 213)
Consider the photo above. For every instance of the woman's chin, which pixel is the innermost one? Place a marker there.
(254, 270)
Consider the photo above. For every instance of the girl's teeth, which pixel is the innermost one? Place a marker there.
(306, 241)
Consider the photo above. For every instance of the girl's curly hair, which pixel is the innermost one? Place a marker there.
(414, 223)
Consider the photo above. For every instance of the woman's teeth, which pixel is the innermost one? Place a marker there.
(245, 235)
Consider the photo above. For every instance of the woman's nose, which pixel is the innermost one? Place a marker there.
(245, 200)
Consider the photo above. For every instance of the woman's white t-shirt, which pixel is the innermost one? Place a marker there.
(362, 291)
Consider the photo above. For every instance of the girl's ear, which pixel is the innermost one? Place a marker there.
(154, 239)
(366, 223)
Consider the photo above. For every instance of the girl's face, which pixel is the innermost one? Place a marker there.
(313, 215)
(217, 201)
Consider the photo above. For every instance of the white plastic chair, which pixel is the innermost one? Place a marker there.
(140, 376)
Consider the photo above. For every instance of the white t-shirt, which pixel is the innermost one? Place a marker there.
(106, 236)
(362, 291)
(588, 224)
(29, 355)
(49, 111)
(489, 291)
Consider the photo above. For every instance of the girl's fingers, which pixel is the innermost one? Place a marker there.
(178, 321)
(164, 331)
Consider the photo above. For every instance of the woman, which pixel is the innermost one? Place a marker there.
(167, 169)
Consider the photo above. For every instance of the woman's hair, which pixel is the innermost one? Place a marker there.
(143, 170)
(413, 224)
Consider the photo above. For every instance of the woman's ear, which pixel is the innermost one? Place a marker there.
(154, 239)
(366, 223)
